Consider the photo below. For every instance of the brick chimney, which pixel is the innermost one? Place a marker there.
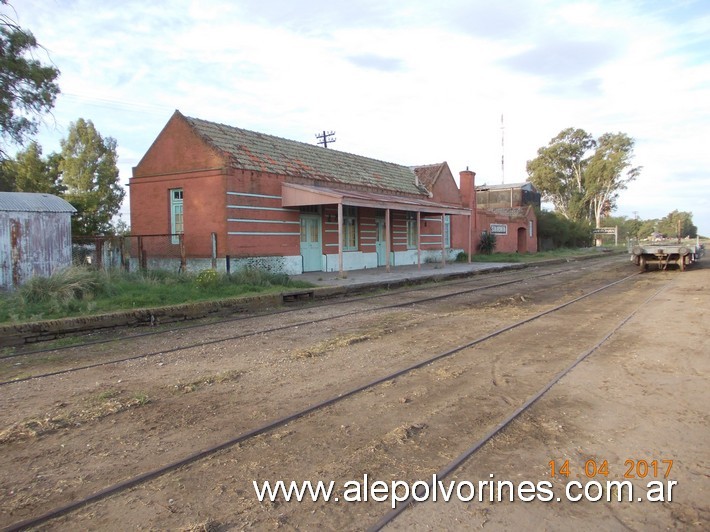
(467, 178)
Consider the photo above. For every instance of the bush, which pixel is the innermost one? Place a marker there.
(562, 232)
(487, 243)
(61, 287)
(207, 278)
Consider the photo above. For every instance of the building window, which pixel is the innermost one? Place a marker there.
(530, 228)
(176, 215)
(349, 228)
(447, 230)
(412, 233)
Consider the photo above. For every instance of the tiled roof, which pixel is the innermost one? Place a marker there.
(428, 174)
(33, 202)
(249, 150)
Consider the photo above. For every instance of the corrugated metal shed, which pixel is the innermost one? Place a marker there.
(35, 236)
(33, 202)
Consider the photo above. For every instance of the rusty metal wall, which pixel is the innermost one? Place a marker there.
(33, 243)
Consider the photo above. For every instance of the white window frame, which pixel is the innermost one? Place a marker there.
(447, 231)
(412, 233)
(350, 241)
(177, 214)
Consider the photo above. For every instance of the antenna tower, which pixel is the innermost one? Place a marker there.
(502, 150)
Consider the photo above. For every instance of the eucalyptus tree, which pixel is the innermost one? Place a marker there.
(27, 87)
(581, 176)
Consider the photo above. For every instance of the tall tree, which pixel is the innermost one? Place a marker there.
(558, 172)
(27, 87)
(29, 171)
(608, 172)
(90, 174)
(678, 223)
(581, 176)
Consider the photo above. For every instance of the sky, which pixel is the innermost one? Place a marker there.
(410, 82)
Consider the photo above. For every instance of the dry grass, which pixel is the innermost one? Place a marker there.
(332, 344)
(403, 433)
(210, 525)
(219, 378)
(104, 404)
(383, 327)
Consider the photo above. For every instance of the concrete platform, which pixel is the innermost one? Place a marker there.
(404, 274)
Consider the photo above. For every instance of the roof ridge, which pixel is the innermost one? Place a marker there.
(189, 118)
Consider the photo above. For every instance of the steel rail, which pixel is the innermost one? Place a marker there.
(275, 329)
(463, 457)
(198, 455)
(425, 286)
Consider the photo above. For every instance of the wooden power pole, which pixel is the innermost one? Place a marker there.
(325, 138)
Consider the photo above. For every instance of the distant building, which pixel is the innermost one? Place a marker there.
(35, 236)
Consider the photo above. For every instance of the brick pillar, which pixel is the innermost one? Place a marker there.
(467, 178)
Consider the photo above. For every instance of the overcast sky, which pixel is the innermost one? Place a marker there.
(410, 82)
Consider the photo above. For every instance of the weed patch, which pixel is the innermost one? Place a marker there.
(104, 404)
(82, 291)
(219, 378)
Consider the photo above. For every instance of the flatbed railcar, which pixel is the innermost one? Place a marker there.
(665, 253)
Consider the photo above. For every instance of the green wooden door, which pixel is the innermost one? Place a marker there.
(311, 245)
(381, 242)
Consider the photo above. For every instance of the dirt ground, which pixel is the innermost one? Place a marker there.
(641, 396)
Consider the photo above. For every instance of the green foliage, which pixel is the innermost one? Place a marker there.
(79, 291)
(647, 228)
(560, 232)
(29, 171)
(461, 256)
(581, 176)
(207, 278)
(558, 171)
(60, 292)
(669, 225)
(27, 87)
(89, 171)
(487, 243)
(666, 226)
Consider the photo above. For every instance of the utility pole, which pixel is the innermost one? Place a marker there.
(325, 138)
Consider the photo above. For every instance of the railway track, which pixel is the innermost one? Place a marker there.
(448, 289)
(319, 406)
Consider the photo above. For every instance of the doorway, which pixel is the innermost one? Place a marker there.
(311, 244)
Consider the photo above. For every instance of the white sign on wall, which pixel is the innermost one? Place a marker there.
(499, 229)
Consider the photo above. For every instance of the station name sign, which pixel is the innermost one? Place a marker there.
(604, 231)
(499, 229)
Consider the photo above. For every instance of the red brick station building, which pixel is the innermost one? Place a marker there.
(246, 198)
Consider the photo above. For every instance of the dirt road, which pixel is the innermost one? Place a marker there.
(66, 436)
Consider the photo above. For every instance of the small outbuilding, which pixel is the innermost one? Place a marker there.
(35, 236)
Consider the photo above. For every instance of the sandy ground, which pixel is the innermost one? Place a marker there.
(641, 396)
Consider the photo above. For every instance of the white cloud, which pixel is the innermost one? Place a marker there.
(408, 82)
